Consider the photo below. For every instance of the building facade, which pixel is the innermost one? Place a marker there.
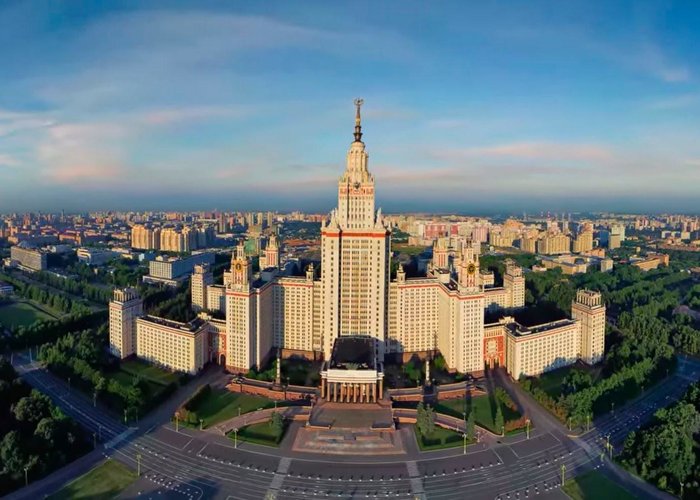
(30, 259)
(354, 298)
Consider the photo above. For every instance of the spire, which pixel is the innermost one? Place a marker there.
(358, 127)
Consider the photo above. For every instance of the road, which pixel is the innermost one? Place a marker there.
(193, 464)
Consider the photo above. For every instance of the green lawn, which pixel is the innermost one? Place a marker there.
(221, 405)
(261, 433)
(550, 382)
(445, 438)
(483, 412)
(126, 379)
(593, 485)
(14, 314)
(149, 372)
(103, 482)
(409, 249)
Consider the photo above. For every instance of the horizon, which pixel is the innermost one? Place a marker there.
(592, 108)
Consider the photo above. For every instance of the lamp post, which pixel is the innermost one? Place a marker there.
(94, 399)
(588, 422)
(239, 411)
(563, 474)
(464, 436)
(569, 424)
(138, 465)
(177, 422)
(201, 424)
(125, 416)
(235, 437)
(26, 477)
(612, 407)
(503, 430)
(527, 428)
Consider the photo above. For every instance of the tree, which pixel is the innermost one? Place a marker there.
(471, 425)
(425, 419)
(277, 424)
(12, 452)
(33, 408)
(498, 419)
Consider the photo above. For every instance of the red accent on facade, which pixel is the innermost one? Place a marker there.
(497, 357)
(382, 234)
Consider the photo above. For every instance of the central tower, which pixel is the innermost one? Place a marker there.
(355, 247)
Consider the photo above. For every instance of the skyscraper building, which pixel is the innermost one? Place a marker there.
(355, 303)
(355, 255)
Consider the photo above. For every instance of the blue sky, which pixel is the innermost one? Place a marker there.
(469, 106)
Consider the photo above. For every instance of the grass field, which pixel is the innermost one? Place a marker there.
(409, 249)
(149, 372)
(593, 486)
(221, 405)
(483, 412)
(261, 433)
(14, 314)
(446, 437)
(103, 482)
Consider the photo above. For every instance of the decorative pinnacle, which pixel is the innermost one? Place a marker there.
(358, 127)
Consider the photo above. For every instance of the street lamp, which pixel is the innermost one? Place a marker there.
(569, 424)
(138, 464)
(503, 430)
(588, 422)
(201, 424)
(235, 437)
(527, 428)
(125, 410)
(26, 477)
(177, 422)
(563, 474)
(239, 411)
(612, 407)
(464, 452)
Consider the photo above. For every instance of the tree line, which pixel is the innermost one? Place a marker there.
(34, 434)
(640, 342)
(81, 356)
(41, 295)
(667, 451)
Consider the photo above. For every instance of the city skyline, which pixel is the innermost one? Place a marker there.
(244, 108)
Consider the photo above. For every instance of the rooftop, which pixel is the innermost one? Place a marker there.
(522, 331)
(192, 327)
(353, 353)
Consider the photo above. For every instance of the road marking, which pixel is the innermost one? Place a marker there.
(416, 481)
(278, 478)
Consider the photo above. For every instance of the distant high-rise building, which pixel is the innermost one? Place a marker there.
(553, 244)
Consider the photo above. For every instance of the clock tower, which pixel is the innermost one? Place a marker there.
(241, 270)
(468, 270)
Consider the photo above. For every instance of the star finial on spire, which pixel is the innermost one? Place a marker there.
(358, 127)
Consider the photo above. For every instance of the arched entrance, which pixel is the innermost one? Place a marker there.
(222, 359)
